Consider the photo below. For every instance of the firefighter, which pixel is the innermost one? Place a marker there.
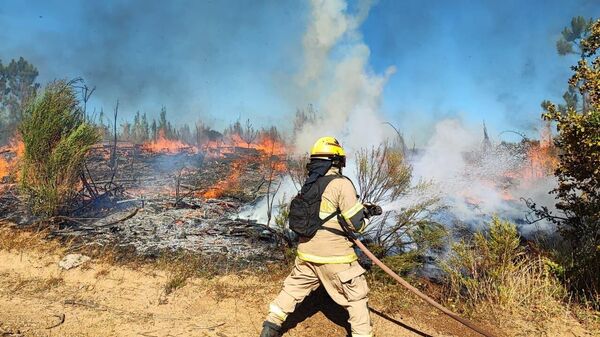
(328, 257)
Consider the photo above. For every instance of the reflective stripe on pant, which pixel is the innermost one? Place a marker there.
(344, 282)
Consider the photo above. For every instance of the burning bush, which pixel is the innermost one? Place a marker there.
(493, 271)
(56, 139)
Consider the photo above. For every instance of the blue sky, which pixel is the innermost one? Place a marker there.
(220, 60)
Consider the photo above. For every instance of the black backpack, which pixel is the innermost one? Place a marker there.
(304, 217)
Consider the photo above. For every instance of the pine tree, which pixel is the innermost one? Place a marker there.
(145, 128)
(154, 130)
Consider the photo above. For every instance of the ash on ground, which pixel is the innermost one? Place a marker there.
(159, 202)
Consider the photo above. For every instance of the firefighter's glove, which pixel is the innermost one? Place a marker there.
(372, 210)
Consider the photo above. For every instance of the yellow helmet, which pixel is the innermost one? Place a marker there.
(328, 147)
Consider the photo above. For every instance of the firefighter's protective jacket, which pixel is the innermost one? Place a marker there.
(330, 244)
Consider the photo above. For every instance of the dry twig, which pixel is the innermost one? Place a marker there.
(61, 320)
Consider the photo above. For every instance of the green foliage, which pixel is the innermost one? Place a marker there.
(400, 263)
(140, 130)
(56, 140)
(17, 87)
(578, 172)
(283, 214)
(493, 269)
(572, 36)
(573, 41)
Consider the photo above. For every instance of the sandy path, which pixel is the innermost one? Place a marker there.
(102, 300)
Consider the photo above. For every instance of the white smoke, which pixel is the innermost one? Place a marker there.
(286, 191)
(475, 189)
(336, 77)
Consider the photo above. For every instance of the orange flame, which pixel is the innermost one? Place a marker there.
(164, 145)
(10, 156)
(541, 161)
(265, 150)
(229, 183)
(270, 160)
(265, 144)
(4, 168)
(231, 144)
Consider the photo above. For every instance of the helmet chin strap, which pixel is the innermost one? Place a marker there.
(336, 161)
(339, 162)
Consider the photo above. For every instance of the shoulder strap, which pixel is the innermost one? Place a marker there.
(323, 182)
(331, 216)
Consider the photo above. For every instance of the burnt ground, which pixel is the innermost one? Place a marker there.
(150, 203)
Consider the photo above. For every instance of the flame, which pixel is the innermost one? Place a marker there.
(11, 154)
(265, 144)
(272, 164)
(4, 168)
(231, 144)
(541, 161)
(164, 145)
(227, 184)
(271, 146)
(266, 151)
(280, 166)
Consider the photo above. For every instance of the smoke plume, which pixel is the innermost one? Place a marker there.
(336, 77)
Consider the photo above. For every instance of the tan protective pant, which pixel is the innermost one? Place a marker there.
(344, 282)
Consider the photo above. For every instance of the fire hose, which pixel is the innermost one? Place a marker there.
(408, 286)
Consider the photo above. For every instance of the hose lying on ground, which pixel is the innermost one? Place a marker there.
(346, 227)
(416, 291)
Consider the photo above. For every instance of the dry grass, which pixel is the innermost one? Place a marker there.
(12, 239)
(102, 273)
(175, 280)
(390, 299)
(181, 266)
(36, 284)
(587, 316)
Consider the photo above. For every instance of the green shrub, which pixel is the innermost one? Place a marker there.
(56, 139)
(493, 271)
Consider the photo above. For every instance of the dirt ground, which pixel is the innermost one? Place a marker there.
(98, 299)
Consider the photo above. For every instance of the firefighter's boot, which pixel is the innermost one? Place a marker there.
(270, 330)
